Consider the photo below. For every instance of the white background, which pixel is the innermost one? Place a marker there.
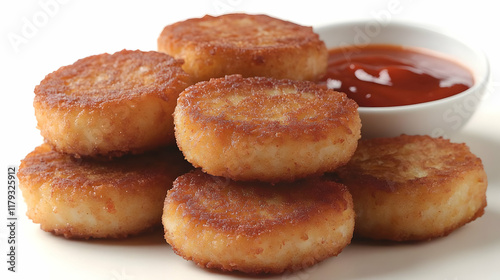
(37, 37)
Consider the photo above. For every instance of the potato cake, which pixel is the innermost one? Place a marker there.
(265, 129)
(257, 227)
(250, 45)
(110, 104)
(414, 187)
(86, 198)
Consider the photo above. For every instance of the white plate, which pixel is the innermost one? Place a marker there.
(471, 252)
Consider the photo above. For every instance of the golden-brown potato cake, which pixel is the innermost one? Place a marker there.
(250, 45)
(414, 187)
(257, 227)
(110, 104)
(85, 198)
(265, 129)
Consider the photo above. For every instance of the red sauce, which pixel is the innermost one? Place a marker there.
(388, 75)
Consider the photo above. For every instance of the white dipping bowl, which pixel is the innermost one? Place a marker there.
(438, 118)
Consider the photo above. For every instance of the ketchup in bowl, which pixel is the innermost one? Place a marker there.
(390, 75)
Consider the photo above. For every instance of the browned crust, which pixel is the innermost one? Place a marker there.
(130, 173)
(254, 208)
(220, 33)
(119, 77)
(408, 162)
(250, 42)
(303, 117)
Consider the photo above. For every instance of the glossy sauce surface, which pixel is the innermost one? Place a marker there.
(390, 75)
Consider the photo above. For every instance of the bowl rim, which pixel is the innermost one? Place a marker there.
(479, 82)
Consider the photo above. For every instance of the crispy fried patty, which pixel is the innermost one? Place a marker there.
(414, 187)
(85, 198)
(257, 227)
(265, 129)
(110, 104)
(250, 45)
